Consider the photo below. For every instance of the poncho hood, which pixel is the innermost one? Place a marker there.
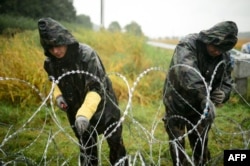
(222, 35)
(54, 34)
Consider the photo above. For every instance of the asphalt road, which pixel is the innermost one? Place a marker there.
(162, 45)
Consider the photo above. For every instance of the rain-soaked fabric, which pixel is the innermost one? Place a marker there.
(223, 35)
(192, 70)
(74, 87)
(52, 33)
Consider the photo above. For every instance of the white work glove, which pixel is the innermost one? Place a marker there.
(81, 124)
(217, 96)
(61, 103)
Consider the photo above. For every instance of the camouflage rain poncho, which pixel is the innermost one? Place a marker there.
(79, 57)
(184, 87)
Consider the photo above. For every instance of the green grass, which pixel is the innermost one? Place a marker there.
(39, 137)
(28, 131)
(143, 133)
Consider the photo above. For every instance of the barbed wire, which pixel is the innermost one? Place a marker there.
(144, 134)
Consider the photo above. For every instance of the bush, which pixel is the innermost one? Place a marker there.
(10, 25)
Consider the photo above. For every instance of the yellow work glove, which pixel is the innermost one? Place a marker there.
(57, 92)
(86, 111)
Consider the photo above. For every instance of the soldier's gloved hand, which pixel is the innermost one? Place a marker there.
(61, 103)
(217, 96)
(81, 124)
(210, 114)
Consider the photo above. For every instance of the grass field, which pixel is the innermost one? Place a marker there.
(36, 133)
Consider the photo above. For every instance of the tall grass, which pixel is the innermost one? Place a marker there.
(10, 25)
(22, 58)
(40, 140)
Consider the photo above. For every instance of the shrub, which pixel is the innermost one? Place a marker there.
(10, 25)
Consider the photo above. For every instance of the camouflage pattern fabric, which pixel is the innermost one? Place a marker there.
(223, 35)
(74, 88)
(190, 73)
(53, 33)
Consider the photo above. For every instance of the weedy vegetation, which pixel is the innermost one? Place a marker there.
(37, 133)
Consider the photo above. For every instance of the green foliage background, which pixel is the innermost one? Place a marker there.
(35, 9)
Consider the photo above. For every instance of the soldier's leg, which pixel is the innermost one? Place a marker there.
(88, 149)
(175, 128)
(116, 146)
(88, 152)
(199, 139)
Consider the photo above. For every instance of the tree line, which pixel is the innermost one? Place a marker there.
(61, 10)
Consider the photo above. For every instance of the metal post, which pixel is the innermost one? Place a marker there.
(102, 14)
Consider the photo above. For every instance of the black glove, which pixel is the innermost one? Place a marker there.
(210, 112)
(81, 124)
(217, 96)
(61, 103)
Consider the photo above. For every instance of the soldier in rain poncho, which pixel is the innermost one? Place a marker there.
(186, 98)
(88, 99)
